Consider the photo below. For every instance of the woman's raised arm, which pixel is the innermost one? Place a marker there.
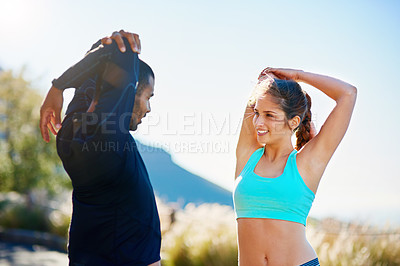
(318, 151)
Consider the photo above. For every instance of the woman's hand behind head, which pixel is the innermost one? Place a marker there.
(266, 75)
(283, 73)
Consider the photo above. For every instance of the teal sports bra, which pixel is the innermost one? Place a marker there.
(285, 197)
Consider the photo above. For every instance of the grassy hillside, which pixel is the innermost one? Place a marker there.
(206, 235)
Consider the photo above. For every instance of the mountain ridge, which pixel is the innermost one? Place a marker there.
(173, 183)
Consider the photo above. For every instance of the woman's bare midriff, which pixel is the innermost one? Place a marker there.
(272, 242)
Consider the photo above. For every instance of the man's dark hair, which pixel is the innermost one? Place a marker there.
(145, 72)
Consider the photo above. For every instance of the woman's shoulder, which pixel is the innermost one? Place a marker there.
(244, 155)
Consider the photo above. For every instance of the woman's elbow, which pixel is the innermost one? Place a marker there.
(351, 92)
(348, 95)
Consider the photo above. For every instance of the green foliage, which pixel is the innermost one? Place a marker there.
(338, 243)
(206, 236)
(36, 218)
(59, 223)
(22, 217)
(202, 236)
(26, 161)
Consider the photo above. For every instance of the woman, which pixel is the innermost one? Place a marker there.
(275, 183)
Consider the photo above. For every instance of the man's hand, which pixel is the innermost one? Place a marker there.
(117, 36)
(50, 113)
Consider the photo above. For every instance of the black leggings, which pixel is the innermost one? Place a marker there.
(313, 262)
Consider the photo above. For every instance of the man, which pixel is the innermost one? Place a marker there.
(115, 219)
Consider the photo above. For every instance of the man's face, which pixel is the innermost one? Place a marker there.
(142, 105)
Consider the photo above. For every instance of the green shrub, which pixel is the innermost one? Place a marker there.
(59, 222)
(355, 245)
(204, 235)
(36, 218)
(22, 217)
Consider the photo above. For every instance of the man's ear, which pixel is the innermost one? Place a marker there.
(92, 106)
(294, 122)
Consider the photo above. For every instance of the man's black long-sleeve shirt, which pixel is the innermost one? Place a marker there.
(115, 219)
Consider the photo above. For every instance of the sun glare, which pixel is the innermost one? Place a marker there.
(20, 15)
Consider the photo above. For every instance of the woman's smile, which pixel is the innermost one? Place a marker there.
(262, 132)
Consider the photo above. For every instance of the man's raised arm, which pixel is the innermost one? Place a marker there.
(50, 111)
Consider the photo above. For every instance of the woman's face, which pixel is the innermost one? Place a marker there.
(270, 121)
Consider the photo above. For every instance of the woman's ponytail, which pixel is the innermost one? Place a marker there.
(303, 133)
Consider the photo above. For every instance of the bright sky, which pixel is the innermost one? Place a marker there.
(207, 55)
